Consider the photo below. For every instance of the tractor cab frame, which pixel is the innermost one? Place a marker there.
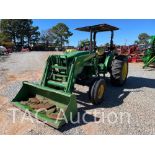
(93, 30)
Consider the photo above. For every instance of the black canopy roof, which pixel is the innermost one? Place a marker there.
(98, 28)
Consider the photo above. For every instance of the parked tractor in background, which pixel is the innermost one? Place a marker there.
(149, 54)
(54, 97)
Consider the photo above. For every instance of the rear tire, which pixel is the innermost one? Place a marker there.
(119, 70)
(97, 91)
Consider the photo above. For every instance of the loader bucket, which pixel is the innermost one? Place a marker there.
(55, 109)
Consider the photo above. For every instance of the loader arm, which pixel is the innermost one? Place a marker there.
(61, 71)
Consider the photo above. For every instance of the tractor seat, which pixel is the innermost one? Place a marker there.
(101, 55)
(100, 52)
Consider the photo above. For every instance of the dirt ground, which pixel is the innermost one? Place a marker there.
(125, 110)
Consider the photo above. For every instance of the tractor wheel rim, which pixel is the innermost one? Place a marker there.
(100, 91)
(124, 71)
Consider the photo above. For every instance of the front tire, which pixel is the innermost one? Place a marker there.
(119, 70)
(97, 91)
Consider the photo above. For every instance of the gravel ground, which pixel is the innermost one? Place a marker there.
(125, 110)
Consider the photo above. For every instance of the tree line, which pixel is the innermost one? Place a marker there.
(57, 36)
(21, 32)
(18, 32)
(143, 39)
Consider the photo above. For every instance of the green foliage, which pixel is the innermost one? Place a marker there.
(60, 34)
(7, 44)
(136, 42)
(83, 43)
(33, 35)
(143, 38)
(3, 38)
(20, 31)
(57, 36)
(107, 45)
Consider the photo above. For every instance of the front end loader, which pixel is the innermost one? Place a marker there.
(53, 100)
(149, 55)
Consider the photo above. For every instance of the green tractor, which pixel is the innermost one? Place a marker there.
(53, 101)
(149, 55)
